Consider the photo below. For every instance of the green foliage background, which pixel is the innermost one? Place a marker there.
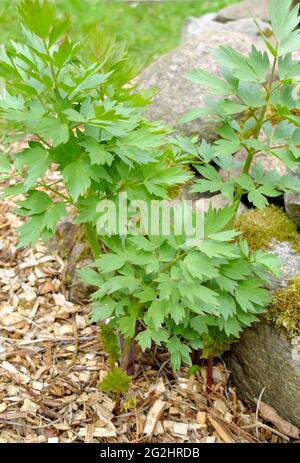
(149, 29)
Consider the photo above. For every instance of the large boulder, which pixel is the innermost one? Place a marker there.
(176, 95)
(266, 358)
(208, 22)
(257, 8)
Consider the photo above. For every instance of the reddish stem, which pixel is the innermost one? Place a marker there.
(131, 359)
(209, 381)
(127, 347)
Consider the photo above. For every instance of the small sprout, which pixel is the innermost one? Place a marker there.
(129, 404)
(109, 342)
(116, 383)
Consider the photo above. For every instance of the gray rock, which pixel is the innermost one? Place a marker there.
(292, 207)
(217, 202)
(290, 264)
(268, 162)
(177, 96)
(196, 26)
(292, 200)
(257, 8)
(264, 357)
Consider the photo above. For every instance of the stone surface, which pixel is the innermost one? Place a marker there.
(177, 96)
(290, 264)
(206, 23)
(245, 9)
(217, 202)
(292, 207)
(264, 357)
(292, 201)
(268, 162)
(196, 26)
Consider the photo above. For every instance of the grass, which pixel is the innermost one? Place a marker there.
(149, 28)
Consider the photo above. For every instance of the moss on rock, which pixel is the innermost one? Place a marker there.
(262, 226)
(284, 310)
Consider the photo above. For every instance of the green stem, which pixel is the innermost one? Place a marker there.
(56, 192)
(251, 152)
(54, 78)
(91, 235)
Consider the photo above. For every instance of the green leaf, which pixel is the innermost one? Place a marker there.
(283, 19)
(38, 17)
(216, 85)
(236, 63)
(200, 266)
(53, 216)
(140, 242)
(270, 261)
(90, 276)
(227, 305)
(4, 163)
(177, 312)
(207, 295)
(218, 249)
(110, 262)
(259, 62)
(37, 159)
(249, 292)
(30, 232)
(290, 43)
(194, 114)
(232, 327)
(36, 202)
(157, 312)
(77, 177)
(179, 353)
(144, 339)
(115, 382)
(252, 94)
(199, 324)
(258, 199)
(97, 153)
(120, 282)
(52, 129)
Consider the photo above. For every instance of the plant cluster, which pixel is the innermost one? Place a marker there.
(87, 123)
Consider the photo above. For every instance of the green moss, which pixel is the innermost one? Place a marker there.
(284, 310)
(261, 226)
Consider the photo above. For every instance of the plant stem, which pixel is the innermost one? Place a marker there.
(131, 358)
(251, 152)
(91, 235)
(56, 192)
(116, 409)
(209, 381)
(128, 355)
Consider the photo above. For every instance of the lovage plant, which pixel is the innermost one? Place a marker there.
(86, 125)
